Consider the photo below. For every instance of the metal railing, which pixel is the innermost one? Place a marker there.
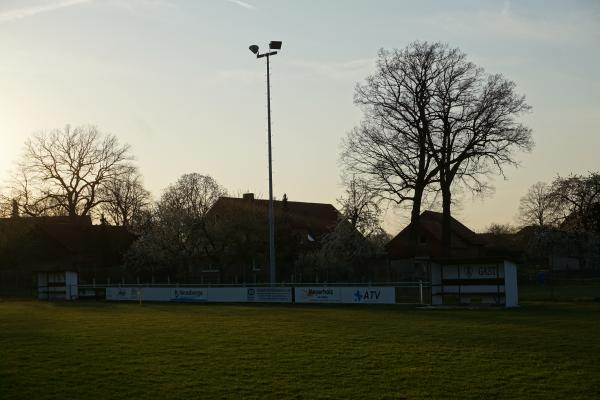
(249, 284)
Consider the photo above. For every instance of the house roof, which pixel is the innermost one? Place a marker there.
(46, 241)
(464, 241)
(315, 218)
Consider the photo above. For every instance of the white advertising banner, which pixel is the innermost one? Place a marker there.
(188, 294)
(269, 294)
(156, 294)
(347, 295)
(201, 294)
(227, 295)
(369, 295)
(122, 293)
(318, 295)
(137, 293)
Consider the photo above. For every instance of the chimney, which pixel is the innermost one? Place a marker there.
(15, 209)
(248, 196)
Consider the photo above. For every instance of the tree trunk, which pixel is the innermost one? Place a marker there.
(446, 219)
(413, 238)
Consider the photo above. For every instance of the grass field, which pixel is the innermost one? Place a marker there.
(170, 351)
(561, 290)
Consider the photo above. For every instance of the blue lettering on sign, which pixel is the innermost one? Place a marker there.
(366, 295)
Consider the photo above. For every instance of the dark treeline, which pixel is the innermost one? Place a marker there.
(433, 124)
(82, 172)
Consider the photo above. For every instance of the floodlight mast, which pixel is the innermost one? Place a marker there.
(274, 45)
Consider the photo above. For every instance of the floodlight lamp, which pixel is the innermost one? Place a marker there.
(254, 49)
(275, 45)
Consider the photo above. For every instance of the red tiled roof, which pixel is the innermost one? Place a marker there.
(316, 218)
(464, 240)
(56, 239)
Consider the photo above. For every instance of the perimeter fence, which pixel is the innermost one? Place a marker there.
(316, 292)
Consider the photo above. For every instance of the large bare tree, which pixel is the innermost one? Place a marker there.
(475, 128)
(433, 120)
(388, 150)
(62, 172)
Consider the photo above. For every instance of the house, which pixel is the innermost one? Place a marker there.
(242, 226)
(405, 257)
(465, 242)
(311, 220)
(538, 248)
(59, 243)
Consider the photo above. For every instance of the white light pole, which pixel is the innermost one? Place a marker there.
(274, 45)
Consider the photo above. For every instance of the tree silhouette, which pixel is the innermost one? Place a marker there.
(474, 129)
(175, 238)
(433, 120)
(539, 206)
(388, 150)
(63, 171)
(125, 200)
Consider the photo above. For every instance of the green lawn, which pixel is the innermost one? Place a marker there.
(176, 351)
(561, 290)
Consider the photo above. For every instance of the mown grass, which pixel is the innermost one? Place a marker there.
(561, 290)
(171, 351)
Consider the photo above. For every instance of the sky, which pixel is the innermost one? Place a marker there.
(176, 81)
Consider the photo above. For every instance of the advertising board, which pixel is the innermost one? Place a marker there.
(348, 295)
(227, 295)
(318, 295)
(201, 294)
(138, 293)
(155, 294)
(122, 293)
(369, 295)
(188, 294)
(269, 294)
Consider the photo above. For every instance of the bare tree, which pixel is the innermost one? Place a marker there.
(539, 206)
(62, 172)
(474, 128)
(5, 206)
(125, 199)
(360, 206)
(578, 197)
(500, 229)
(431, 116)
(388, 150)
(24, 189)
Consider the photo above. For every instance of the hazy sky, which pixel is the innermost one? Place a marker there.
(176, 81)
